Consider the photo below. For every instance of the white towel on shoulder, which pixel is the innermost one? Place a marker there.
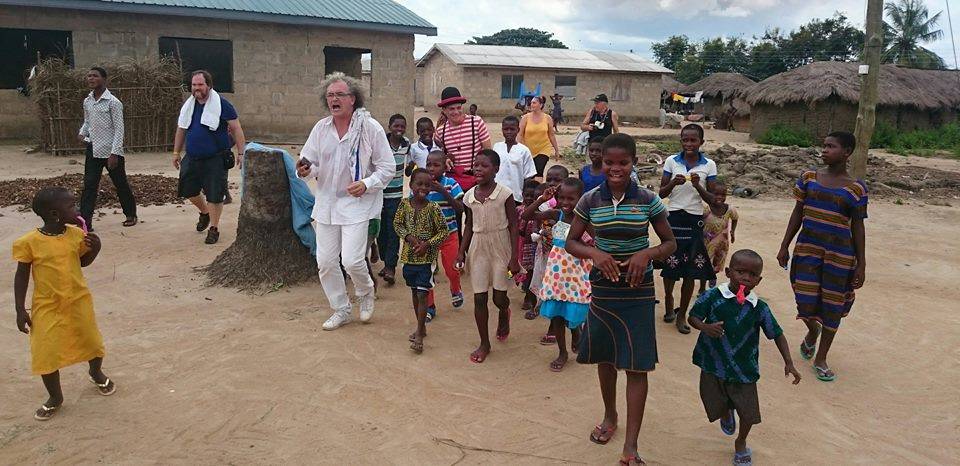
(211, 112)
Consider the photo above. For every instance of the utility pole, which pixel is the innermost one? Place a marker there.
(867, 111)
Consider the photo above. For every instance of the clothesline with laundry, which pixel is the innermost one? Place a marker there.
(686, 99)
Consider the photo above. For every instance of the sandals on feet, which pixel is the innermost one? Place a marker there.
(601, 435)
(683, 328)
(808, 351)
(431, 313)
(556, 365)
(45, 412)
(824, 374)
(129, 222)
(106, 388)
(502, 334)
(548, 340)
(416, 346)
(671, 316)
(743, 459)
(631, 460)
(729, 425)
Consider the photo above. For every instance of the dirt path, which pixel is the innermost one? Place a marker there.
(210, 375)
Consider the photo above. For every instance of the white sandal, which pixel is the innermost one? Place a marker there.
(106, 388)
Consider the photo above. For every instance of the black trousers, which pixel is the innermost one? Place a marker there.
(93, 169)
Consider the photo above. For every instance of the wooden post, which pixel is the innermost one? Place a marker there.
(867, 111)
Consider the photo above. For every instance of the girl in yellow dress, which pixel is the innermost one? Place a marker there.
(61, 325)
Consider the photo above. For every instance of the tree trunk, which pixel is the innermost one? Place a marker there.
(267, 251)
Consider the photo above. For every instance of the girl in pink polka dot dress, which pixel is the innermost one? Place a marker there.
(565, 292)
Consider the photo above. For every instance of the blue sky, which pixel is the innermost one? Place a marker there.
(625, 25)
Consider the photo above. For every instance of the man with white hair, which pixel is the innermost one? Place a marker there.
(348, 154)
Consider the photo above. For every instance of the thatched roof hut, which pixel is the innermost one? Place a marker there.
(669, 85)
(719, 85)
(823, 96)
(719, 101)
(819, 81)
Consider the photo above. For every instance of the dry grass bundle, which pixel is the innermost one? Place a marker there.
(150, 89)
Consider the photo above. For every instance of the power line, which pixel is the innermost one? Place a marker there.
(952, 41)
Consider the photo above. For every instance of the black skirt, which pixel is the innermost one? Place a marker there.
(690, 260)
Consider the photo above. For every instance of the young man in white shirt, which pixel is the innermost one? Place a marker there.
(516, 161)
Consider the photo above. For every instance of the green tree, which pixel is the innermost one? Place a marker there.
(911, 25)
(831, 39)
(671, 52)
(521, 37)
(764, 61)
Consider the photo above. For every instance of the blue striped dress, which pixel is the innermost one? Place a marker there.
(824, 257)
(620, 326)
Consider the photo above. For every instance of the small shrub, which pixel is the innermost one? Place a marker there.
(883, 136)
(782, 135)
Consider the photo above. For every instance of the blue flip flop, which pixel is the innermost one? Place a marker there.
(823, 375)
(743, 459)
(729, 425)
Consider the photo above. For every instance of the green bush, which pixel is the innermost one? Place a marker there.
(782, 135)
(883, 136)
(922, 142)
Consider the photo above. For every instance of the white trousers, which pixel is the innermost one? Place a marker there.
(346, 243)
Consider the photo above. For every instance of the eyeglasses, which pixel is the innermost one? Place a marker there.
(338, 95)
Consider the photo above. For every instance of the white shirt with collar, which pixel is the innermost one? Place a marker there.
(331, 157)
(516, 165)
(103, 124)
(752, 298)
(419, 152)
(685, 197)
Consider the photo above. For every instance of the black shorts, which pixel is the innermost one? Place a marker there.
(206, 174)
(720, 396)
(540, 163)
(418, 276)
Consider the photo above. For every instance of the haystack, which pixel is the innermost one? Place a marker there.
(267, 251)
(822, 97)
(151, 91)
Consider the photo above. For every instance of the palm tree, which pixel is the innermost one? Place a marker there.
(909, 27)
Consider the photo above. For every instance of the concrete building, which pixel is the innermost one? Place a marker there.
(267, 56)
(490, 76)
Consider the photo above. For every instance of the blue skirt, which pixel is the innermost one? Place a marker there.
(620, 328)
(573, 313)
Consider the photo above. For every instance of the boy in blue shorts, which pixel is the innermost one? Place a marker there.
(420, 226)
(730, 318)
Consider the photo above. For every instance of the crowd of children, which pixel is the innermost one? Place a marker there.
(579, 249)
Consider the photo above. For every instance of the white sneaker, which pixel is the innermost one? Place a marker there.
(337, 320)
(366, 308)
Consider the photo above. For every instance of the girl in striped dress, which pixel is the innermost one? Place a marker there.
(828, 258)
(619, 333)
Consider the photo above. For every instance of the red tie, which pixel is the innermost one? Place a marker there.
(740, 296)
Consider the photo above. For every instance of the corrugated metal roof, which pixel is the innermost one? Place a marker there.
(536, 57)
(363, 14)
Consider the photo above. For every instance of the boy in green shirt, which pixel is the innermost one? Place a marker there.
(421, 227)
(730, 318)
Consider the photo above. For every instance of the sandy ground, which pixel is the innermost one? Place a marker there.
(214, 376)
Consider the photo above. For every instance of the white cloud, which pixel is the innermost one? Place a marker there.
(635, 24)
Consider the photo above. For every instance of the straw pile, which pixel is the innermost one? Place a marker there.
(150, 89)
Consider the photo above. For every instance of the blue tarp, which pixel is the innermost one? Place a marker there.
(301, 198)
